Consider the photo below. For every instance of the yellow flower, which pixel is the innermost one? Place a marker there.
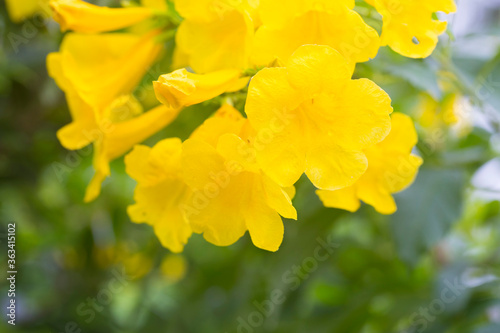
(453, 112)
(269, 9)
(21, 9)
(137, 264)
(173, 267)
(181, 88)
(160, 192)
(212, 10)
(188, 187)
(97, 72)
(391, 169)
(226, 120)
(299, 22)
(101, 67)
(116, 139)
(408, 26)
(81, 16)
(432, 113)
(215, 38)
(310, 116)
(228, 184)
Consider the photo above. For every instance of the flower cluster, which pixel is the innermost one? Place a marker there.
(304, 113)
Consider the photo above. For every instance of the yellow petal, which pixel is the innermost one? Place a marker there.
(196, 174)
(345, 198)
(401, 170)
(408, 26)
(158, 202)
(264, 225)
(180, 59)
(359, 115)
(271, 98)
(102, 170)
(343, 30)
(392, 168)
(226, 120)
(391, 164)
(403, 136)
(331, 167)
(156, 4)
(181, 88)
(290, 191)
(103, 67)
(158, 205)
(81, 16)
(20, 10)
(275, 15)
(314, 68)
(205, 11)
(121, 137)
(56, 71)
(136, 163)
(216, 193)
(149, 166)
(234, 149)
(221, 44)
(279, 199)
(82, 130)
(123, 108)
(375, 195)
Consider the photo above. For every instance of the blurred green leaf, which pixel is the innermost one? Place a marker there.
(426, 211)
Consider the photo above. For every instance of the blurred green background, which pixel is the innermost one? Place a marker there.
(434, 266)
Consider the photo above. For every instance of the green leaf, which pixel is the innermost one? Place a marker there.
(426, 211)
(418, 74)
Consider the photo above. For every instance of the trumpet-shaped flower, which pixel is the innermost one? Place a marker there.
(94, 70)
(226, 183)
(391, 168)
(117, 138)
(80, 16)
(97, 73)
(181, 88)
(215, 37)
(102, 67)
(310, 116)
(300, 22)
(408, 26)
(160, 192)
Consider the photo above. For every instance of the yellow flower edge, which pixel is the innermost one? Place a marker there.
(391, 168)
(408, 26)
(81, 16)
